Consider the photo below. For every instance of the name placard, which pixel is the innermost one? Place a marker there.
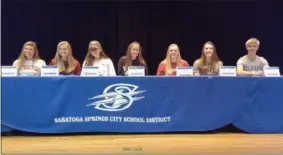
(136, 71)
(9, 71)
(49, 71)
(227, 71)
(90, 71)
(271, 71)
(184, 71)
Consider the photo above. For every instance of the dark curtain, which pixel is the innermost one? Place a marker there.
(154, 24)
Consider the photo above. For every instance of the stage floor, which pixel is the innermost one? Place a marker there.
(152, 143)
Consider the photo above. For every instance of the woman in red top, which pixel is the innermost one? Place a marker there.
(64, 59)
(172, 61)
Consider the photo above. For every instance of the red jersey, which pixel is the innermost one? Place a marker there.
(162, 67)
(76, 71)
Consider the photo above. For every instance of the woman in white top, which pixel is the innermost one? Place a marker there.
(97, 57)
(29, 62)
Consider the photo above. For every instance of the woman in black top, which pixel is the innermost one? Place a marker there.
(133, 58)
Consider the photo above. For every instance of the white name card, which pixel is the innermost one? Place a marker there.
(271, 71)
(184, 71)
(49, 71)
(90, 71)
(136, 71)
(9, 71)
(228, 71)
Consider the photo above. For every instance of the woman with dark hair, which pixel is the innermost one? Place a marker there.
(133, 58)
(208, 63)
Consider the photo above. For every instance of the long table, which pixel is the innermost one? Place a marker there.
(141, 104)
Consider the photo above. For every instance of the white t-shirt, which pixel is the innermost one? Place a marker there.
(29, 67)
(106, 67)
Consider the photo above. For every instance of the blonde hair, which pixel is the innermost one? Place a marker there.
(215, 57)
(90, 58)
(252, 41)
(22, 58)
(167, 60)
(129, 56)
(59, 59)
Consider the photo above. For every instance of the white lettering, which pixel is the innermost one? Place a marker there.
(112, 119)
(96, 119)
(115, 119)
(134, 119)
(68, 119)
(158, 119)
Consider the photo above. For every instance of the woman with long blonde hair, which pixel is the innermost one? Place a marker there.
(64, 59)
(172, 60)
(208, 63)
(29, 62)
(97, 57)
(133, 58)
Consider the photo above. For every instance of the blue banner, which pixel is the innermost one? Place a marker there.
(141, 104)
(5, 128)
(265, 111)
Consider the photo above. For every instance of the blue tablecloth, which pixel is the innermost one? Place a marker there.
(142, 104)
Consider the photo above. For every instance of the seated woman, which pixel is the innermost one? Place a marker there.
(172, 61)
(29, 62)
(64, 59)
(97, 57)
(208, 63)
(133, 58)
(251, 64)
